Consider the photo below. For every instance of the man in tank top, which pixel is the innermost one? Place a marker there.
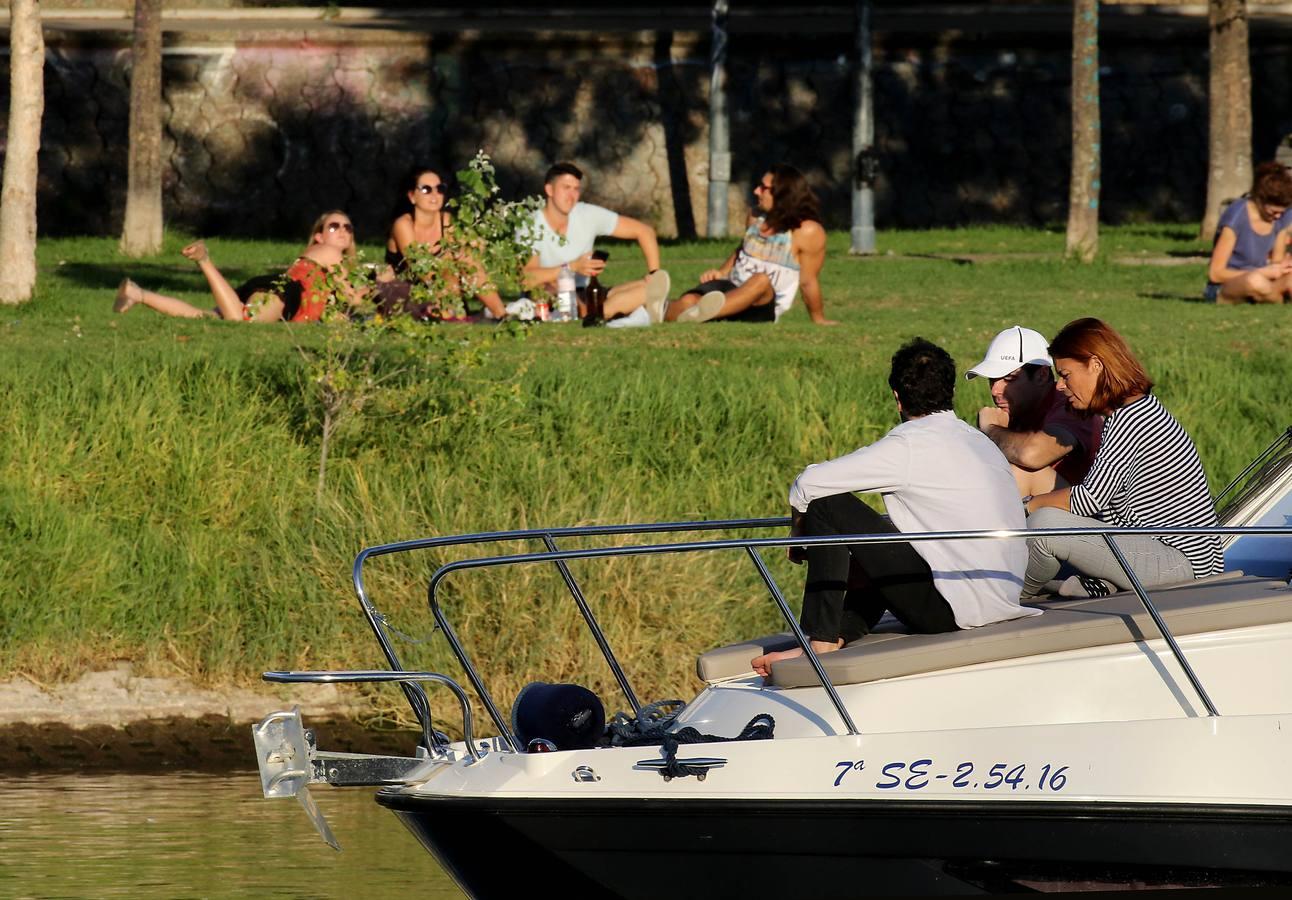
(781, 254)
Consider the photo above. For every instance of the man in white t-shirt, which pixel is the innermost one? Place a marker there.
(935, 473)
(565, 230)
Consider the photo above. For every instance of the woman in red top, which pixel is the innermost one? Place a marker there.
(298, 296)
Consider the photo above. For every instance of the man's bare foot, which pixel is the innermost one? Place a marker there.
(128, 294)
(762, 665)
(196, 251)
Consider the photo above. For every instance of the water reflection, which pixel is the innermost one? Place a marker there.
(193, 835)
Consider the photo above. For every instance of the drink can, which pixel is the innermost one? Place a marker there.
(542, 310)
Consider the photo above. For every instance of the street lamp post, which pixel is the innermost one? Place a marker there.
(719, 126)
(864, 159)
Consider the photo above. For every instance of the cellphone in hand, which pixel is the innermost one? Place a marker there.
(601, 255)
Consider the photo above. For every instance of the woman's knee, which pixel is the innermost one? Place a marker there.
(1258, 287)
(1049, 517)
(1053, 546)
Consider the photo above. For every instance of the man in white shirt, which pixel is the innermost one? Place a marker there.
(935, 473)
(565, 230)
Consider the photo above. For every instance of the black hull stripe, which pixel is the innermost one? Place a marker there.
(1012, 809)
(591, 847)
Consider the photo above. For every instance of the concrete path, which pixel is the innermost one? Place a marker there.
(966, 19)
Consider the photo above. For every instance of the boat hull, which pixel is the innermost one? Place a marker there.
(633, 848)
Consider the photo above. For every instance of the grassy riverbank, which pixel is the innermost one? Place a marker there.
(157, 475)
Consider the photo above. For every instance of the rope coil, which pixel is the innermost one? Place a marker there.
(627, 732)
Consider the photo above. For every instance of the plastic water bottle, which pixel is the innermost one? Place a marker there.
(567, 301)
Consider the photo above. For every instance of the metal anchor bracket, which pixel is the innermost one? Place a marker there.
(284, 752)
(289, 763)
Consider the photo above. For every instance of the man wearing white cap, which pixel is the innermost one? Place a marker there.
(1048, 444)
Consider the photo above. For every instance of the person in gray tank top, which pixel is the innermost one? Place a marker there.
(781, 255)
(1249, 253)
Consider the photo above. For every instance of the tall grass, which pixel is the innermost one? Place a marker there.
(156, 493)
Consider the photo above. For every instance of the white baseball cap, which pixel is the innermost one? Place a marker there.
(1014, 347)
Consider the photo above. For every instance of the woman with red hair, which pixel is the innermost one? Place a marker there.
(1146, 474)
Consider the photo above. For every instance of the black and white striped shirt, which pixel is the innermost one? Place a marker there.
(1147, 474)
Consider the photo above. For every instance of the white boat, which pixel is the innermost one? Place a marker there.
(1132, 740)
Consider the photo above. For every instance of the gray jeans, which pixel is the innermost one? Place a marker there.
(1152, 561)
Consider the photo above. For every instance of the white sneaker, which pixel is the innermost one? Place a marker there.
(657, 286)
(522, 308)
(708, 307)
(638, 318)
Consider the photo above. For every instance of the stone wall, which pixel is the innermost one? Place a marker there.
(263, 131)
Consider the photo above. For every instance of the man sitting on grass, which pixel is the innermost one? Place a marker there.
(563, 233)
(782, 252)
(935, 473)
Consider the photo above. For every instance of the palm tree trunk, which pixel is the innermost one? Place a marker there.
(18, 194)
(1229, 151)
(1083, 191)
(142, 233)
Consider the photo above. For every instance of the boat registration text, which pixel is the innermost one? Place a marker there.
(919, 774)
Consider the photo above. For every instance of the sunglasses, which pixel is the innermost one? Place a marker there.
(432, 188)
(340, 226)
(759, 186)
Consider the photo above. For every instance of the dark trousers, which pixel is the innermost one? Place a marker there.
(896, 578)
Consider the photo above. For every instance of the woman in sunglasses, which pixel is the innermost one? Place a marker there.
(426, 224)
(298, 295)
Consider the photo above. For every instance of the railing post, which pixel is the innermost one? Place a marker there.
(1161, 625)
(594, 627)
(472, 675)
(803, 640)
(413, 692)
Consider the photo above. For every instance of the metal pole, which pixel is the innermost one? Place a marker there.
(863, 141)
(803, 641)
(719, 125)
(369, 676)
(476, 681)
(595, 627)
(1161, 626)
(413, 692)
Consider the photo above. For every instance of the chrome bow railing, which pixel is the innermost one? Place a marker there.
(552, 555)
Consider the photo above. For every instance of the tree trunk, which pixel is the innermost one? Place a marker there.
(1083, 191)
(18, 195)
(1229, 151)
(142, 233)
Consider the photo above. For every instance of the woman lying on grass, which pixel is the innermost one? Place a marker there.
(299, 295)
(1248, 256)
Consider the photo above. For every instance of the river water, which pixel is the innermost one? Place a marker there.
(196, 835)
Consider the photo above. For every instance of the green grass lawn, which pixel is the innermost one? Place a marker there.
(157, 475)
